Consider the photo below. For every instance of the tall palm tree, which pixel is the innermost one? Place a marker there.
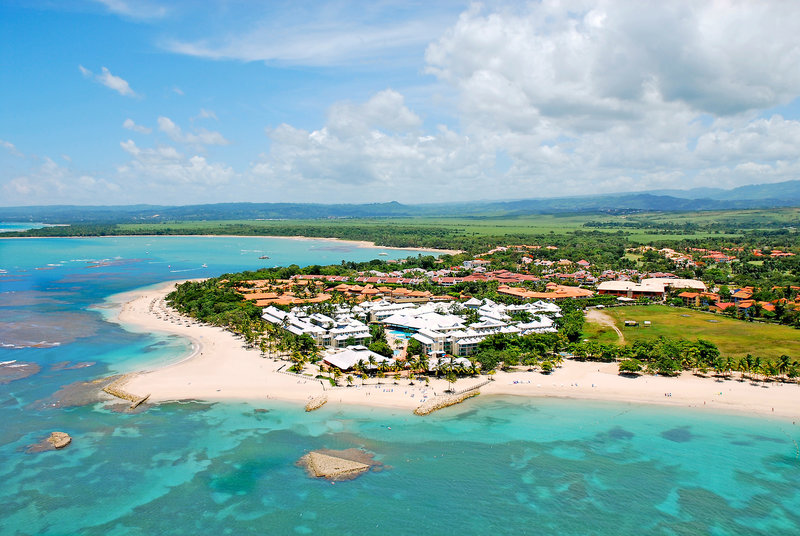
(783, 364)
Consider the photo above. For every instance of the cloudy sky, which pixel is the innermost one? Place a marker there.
(148, 101)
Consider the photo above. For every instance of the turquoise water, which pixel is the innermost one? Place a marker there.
(491, 465)
(399, 334)
(9, 226)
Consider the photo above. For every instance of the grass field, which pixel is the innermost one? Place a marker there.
(735, 338)
(542, 224)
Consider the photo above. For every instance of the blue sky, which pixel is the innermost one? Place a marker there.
(120, 102)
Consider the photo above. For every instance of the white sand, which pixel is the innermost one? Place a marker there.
(220, 368)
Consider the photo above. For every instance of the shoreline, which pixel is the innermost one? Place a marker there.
(220, 368)
(359, 243)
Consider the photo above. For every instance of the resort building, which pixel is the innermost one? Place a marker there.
(651, 287)
(347, 358)
(435, 325)
(326, 331)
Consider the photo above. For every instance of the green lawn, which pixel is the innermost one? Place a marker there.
(541, 224)
(734, 338)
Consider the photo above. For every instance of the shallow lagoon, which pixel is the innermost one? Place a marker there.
(501, 465)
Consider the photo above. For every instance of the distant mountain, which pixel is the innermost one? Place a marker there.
(782, 194)
(788, 190)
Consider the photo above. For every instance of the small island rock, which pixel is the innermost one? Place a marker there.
(59, 440)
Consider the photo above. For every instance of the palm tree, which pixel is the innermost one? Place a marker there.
(349, 380)
(748, 359)
(729, 364)
(451, 378)
(783, 364)
(742, 367)
(771, 369)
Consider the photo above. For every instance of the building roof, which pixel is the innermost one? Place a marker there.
(347, 358)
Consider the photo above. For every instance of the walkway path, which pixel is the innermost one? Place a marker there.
(599, 317)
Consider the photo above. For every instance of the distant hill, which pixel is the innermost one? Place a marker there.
(788, 190)
(782, 194)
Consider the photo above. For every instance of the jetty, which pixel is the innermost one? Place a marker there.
(316, 402)
(115, 389)
(443, 401)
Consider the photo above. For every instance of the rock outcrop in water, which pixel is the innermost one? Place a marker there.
(56, 440)
(59, 440)
(338, 464)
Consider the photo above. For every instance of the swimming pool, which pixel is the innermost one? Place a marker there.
(397, 334)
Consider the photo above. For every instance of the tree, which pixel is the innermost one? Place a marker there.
(380, 347)
(630, 366)
(414, 347)
(349, 380)
(451, 378)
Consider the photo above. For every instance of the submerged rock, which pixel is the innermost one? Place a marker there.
(77, 394)
(16, 370)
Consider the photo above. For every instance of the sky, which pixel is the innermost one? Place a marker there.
(109, 102)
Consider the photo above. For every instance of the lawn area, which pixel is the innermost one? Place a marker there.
(539, 224)
(735, 338)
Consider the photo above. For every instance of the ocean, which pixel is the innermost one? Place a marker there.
(493, 465)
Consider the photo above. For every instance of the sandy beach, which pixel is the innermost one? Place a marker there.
(221, 368)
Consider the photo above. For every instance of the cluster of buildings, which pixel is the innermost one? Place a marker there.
(435, 325)
(775, 253)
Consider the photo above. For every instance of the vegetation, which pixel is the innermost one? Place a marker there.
(733, 337)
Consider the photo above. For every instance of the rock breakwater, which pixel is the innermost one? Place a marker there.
(443, 401)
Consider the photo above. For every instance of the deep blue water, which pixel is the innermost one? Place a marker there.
(489, 466)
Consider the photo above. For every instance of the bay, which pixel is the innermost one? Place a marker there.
(492, 465)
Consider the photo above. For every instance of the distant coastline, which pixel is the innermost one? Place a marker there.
(358, 243)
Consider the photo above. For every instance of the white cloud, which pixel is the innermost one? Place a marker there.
(116, 83)
(46, 182)
(616, 59)
(131, 125)
(10, 147)
(105, 77)
(139, 9)
(164, 167)
(372, 150)
(323, 34)
(200, 136)
(206, 114)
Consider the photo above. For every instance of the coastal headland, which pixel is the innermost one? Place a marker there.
(220, 368)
